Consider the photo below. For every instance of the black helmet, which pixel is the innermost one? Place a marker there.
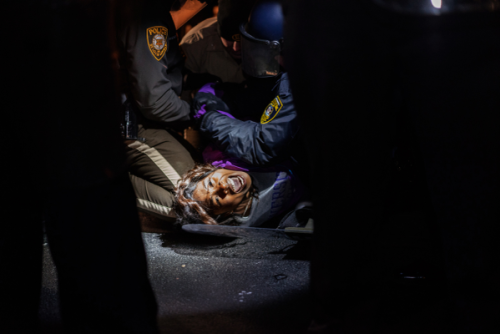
(262, 40)
(231, 14)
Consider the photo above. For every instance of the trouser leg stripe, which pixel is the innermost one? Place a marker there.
(158, 159)
(150, 206)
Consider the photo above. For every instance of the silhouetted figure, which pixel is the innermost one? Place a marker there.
(355, 67)
(67, 163)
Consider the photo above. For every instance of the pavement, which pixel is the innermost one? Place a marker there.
(207, 285)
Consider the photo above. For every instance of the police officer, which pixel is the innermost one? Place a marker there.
(72, 173)
(151, 63)
(265, 123)
(151, 66)
(213, 46)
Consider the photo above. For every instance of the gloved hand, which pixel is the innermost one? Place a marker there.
(194, 81)
(204, 102)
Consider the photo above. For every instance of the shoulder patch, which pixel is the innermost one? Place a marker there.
(271, 110)
(157, 41)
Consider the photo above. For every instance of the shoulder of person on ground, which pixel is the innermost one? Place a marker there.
(201, 31)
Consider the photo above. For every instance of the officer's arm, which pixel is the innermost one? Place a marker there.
(254, 143)
(153, 93)
(150, 84)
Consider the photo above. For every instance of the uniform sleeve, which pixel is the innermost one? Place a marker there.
(192, 58)
(152, 89)
(151, 82)
(253, 142)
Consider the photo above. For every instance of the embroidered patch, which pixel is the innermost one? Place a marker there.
(271, 110)
(157, 41)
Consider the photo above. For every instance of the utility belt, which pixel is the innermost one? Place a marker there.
(129, 125)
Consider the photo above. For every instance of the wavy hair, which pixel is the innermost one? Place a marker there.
(187, 209)
(190, 211)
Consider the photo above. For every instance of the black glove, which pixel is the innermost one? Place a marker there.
(197, 80)
(211, 103)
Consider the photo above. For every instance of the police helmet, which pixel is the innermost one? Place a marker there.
(262, 40)
(231, 14)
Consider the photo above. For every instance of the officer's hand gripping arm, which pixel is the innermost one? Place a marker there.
(254, 143)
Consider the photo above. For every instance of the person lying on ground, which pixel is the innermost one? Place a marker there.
(224, 193)
(250, 178)
(256, 144)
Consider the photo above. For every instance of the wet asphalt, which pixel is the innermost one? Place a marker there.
(206, 284)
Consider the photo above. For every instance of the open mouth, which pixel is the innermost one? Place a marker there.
(237, 183)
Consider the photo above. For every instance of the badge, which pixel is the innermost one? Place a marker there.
(157, 41)
(271, 110)
(236, 37)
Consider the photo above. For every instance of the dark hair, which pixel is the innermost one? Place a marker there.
(190, 211)
(187, 209)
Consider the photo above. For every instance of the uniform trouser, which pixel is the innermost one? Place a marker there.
(156, 166)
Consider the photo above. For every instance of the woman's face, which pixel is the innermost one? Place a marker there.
(224, 191)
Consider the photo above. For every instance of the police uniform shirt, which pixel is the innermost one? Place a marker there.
(151, 63)
(205, 53)
(267, 137)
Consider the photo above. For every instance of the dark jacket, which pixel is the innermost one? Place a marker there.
(265, 137)
(151, 63)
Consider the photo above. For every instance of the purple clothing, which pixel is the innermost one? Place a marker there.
(209, 88)
(278, 188)
(219, 159)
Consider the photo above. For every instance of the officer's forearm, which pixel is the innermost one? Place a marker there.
(189, 9)
(171, 110)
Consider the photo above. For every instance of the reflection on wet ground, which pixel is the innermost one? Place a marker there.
(212, 246)
(206, 284)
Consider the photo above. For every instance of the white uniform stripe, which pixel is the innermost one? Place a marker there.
(157, 208)
(158, 159)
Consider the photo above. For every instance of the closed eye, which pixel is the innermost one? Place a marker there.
(216, 197)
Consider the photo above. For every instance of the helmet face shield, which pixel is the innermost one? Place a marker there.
(259, 58)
